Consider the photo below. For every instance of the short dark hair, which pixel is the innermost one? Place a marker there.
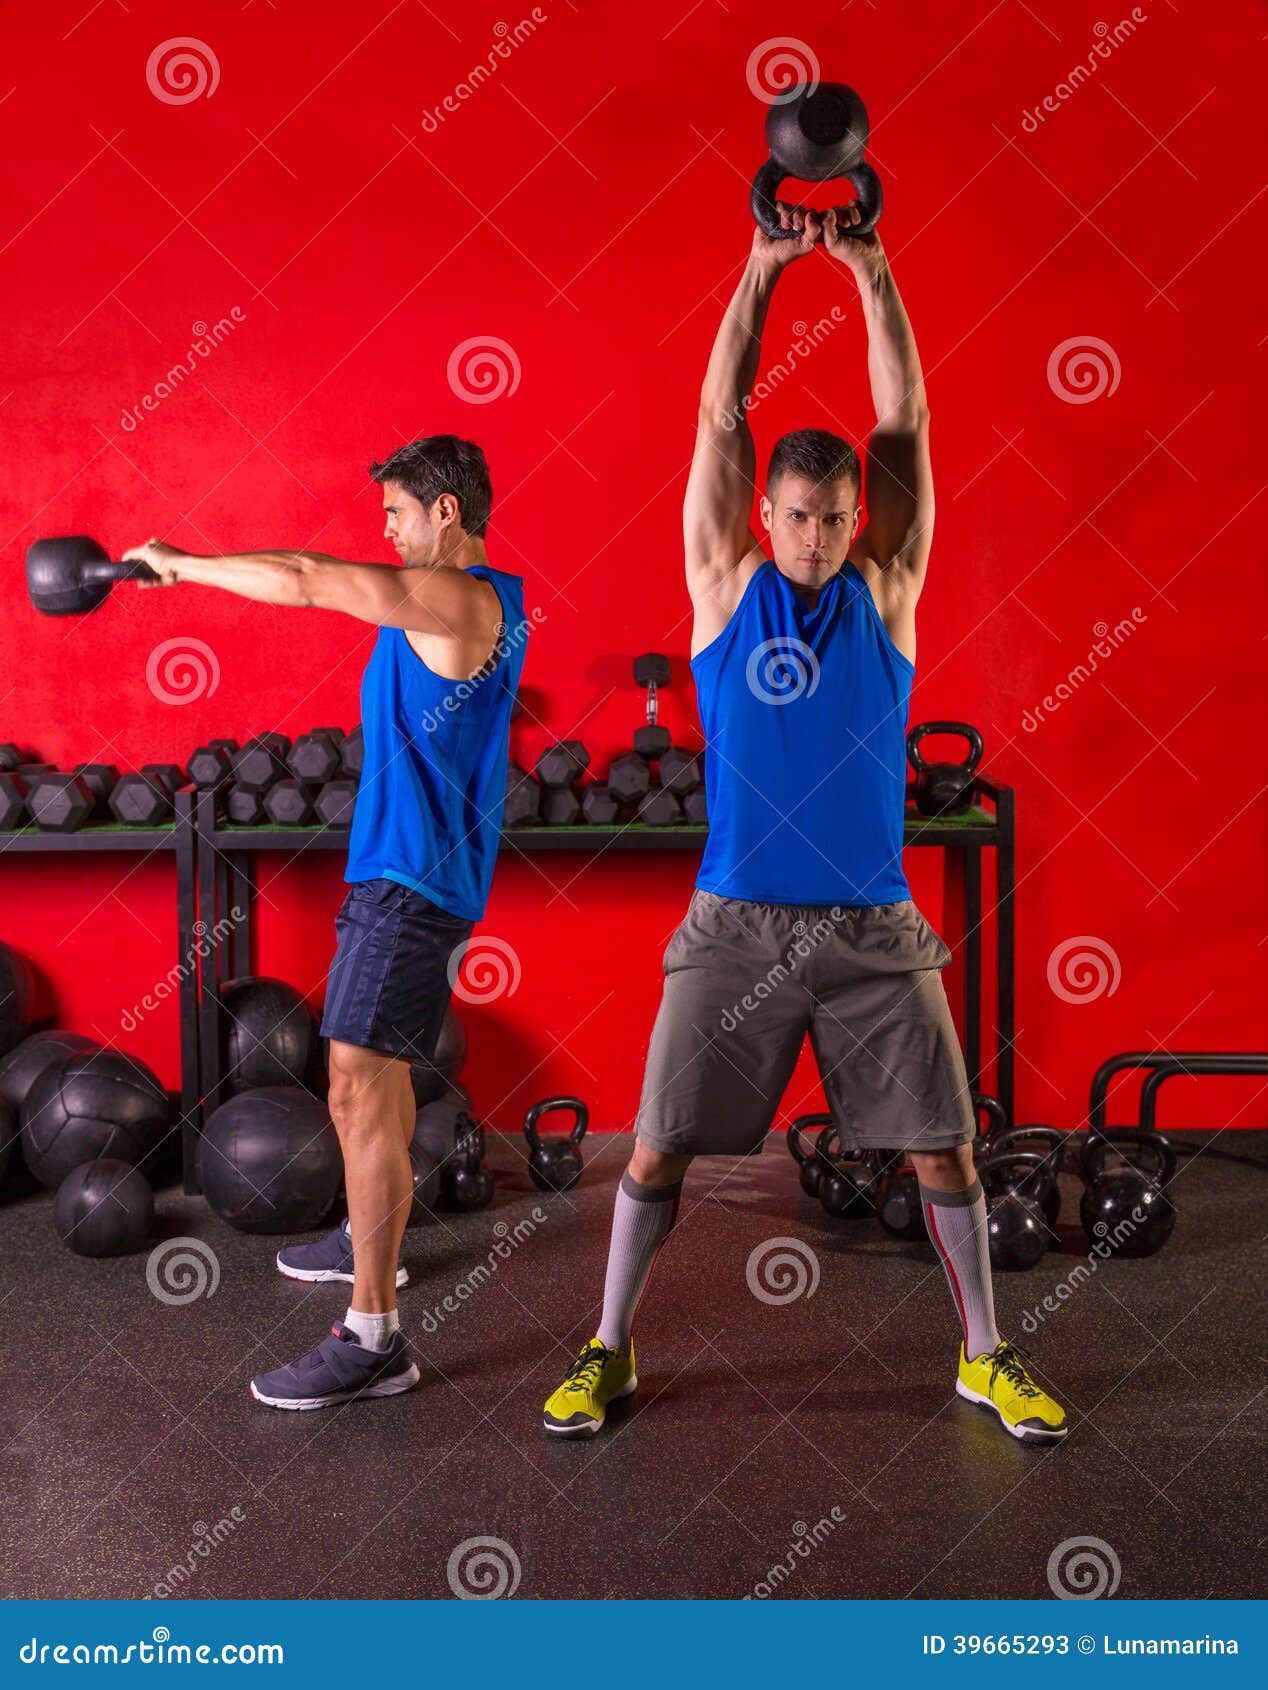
(443, 463)
(816, 454)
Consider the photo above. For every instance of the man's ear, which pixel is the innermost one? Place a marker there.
(767, 512)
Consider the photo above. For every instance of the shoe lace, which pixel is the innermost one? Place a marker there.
(1007, 1360)
(584, 1373)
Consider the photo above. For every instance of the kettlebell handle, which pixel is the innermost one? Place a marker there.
(998, 1143)
(548, 1106)
(1033, 1183)
(1160, 1151)
(965, 731)
(796, 1144)
(765, 192)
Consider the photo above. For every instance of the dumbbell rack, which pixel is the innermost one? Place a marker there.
(226, 881)
(177, 839)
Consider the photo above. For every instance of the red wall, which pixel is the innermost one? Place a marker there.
(587, 206)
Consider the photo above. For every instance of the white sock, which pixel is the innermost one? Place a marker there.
(372, 1331)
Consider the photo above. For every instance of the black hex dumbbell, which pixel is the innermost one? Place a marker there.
(695, 809)
(244, 805)
(628, 777)
(289, 803)
(12, 804)
(679, 771)
(523, 797)
(315, 758)
(335, 803)
(659, 808)
(137, 801)
(170, 776)
(211, 765)
(651, 670)
(100, 779)
(59, 803)
(258, 765)
(561, 764)
(598, 807)
(560, 806)
(352, 752)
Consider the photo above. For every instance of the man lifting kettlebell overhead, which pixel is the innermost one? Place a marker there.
(803, 661)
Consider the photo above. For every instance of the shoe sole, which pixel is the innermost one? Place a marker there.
(1023, 1434)
(384, 1388)
(325, 1276)
(587, 1428)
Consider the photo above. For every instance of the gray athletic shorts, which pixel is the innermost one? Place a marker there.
(744, 984)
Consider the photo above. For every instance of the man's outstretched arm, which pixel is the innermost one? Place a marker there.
(442, 601)
(898, 477)
(717, 537)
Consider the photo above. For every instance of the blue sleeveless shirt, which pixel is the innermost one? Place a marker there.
(433, 780)
(804, 714)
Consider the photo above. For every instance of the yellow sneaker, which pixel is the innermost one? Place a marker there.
(999, 1382)
(597, 1377)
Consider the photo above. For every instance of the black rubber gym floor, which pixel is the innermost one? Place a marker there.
(827, 1421)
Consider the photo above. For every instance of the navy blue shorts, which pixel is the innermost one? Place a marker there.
(389, 983)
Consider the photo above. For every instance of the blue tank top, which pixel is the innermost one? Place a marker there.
(804, 714)
(433, 780)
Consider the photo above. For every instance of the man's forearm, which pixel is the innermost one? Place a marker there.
(733, 362)
(268, 577)
(893, 364)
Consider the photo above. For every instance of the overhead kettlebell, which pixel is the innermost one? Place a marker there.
(1016, 1228)
(1046, 1142)
(942, 789)
(555, 1163)
(810, 1166)
(849, 1190)
(815, 132)
(1127, 1209)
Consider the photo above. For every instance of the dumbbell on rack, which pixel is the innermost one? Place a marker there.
(558, 769)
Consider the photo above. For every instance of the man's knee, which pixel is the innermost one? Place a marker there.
(654, 1167)
(362, 1094)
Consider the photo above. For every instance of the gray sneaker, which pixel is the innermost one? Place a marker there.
(326, 1258)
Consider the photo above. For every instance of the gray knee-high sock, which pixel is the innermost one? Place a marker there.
(957, 1226)
(642, 1221)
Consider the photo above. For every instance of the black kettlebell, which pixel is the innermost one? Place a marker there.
(1032, 1137)
(1127, 1208)
(849, 1190)
(816, 131)
(942, 789)
(469, 1184)
(901, 1213)
(1016, 1229)
(555, 1163)
(810, 1166)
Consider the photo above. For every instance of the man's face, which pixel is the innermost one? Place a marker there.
(812, 525)
(407, 528)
